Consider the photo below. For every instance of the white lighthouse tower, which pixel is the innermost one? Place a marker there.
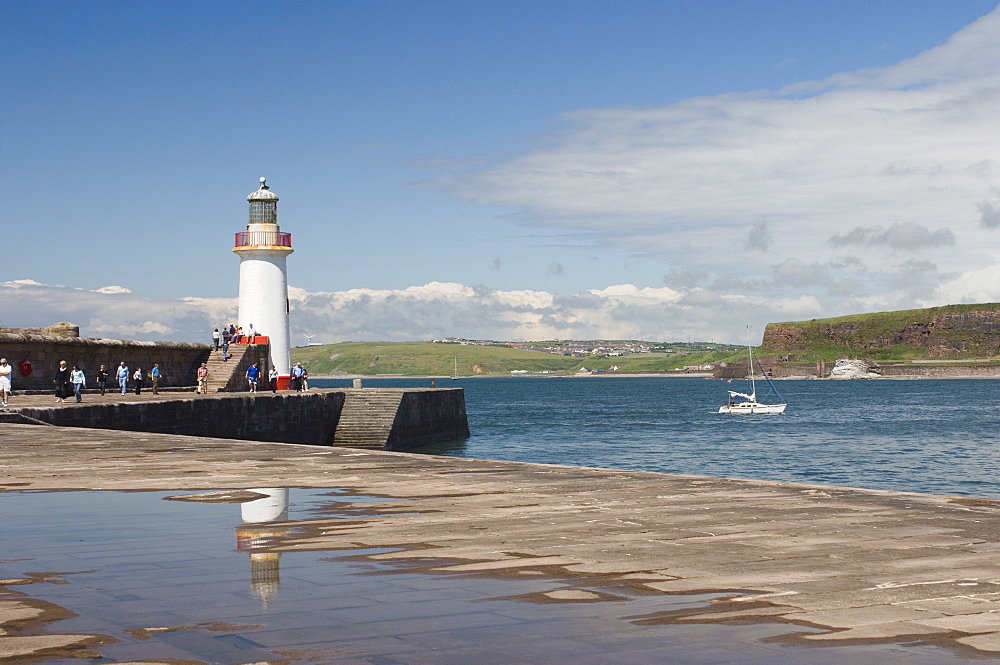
(262, 249)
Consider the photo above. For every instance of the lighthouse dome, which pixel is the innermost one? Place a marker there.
(263, 194)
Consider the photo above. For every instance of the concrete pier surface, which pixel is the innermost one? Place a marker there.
(862, 566)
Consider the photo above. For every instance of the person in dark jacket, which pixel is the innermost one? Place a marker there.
(102, 379)
(63, 387)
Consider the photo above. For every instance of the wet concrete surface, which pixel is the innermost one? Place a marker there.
(422, 559)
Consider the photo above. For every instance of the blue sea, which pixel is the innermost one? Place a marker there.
(939, 436)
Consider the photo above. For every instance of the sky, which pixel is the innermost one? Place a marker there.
(517, 170)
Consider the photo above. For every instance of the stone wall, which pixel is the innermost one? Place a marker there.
(774, 369)
(821, 370)
(941, 371)
(424, 416)
(286, 418)
(178, 360)
(429, 415)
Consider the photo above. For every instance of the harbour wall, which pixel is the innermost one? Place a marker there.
(821, 370)
(429, 416)
(941, 371)
(383, 418)
(178, 361)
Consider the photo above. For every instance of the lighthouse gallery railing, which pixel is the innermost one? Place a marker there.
(273, 238)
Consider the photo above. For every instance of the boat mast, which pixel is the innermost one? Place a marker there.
(753, 382)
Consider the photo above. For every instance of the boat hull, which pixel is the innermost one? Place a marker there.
(752, 407)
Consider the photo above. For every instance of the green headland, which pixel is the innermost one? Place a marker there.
(950, 332)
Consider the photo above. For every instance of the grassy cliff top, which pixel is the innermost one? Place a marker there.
(904, 316)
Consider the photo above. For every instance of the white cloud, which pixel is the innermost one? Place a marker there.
(97, 327)
(974, 286)
(897, 164)
(113, 289)
(114, 313)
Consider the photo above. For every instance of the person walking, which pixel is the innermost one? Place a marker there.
(139, 380)
(63, 388)
(225, 349)
(6, 372)
(102, 379)
(202, 379)
(226, 335)
(79, 381)
(154, 376)
(253, 374)
(215, 339)
(297, 373)
(272, 380)
(122, 376)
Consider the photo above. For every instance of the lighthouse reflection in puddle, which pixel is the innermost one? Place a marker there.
(264, 524)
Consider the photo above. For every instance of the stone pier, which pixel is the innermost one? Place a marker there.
(858, 567)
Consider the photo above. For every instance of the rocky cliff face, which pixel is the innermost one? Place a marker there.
(942, 331)
(846, 369)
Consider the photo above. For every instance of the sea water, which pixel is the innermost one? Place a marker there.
(939, 436)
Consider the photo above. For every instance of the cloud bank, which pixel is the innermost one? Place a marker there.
(424, 312)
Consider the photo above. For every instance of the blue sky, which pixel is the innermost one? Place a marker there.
(499, 169)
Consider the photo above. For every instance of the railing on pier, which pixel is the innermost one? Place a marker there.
(272, 238)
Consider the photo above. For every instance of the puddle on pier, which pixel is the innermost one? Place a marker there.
(196, 577)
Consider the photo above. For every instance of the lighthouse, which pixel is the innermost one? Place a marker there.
(262, 249)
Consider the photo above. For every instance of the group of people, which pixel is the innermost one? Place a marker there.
(138, 378)
(234, 334)
(299, 376)
(252, 376)
(71, 382)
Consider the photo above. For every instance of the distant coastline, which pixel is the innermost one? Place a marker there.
(578, 375)
(668, 375)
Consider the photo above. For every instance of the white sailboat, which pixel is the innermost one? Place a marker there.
(749, 404)
(454, 375)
